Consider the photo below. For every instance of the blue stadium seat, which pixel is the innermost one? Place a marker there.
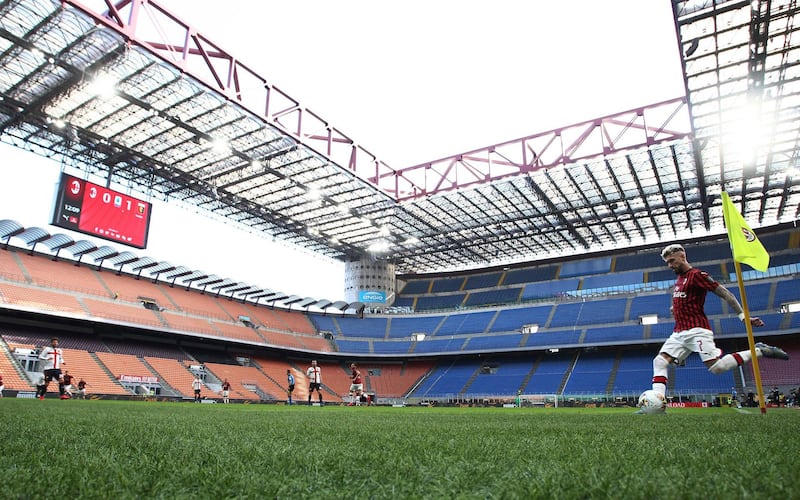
(490, 342)
(400, 301)
(591, 373)
(787, 291)
(557, 338)
(452, 344)
(663, 275)
(415, 287)
(507, 379)
(491, 280)
(325, 323)
(733, 326)
(775, 242)
(447, 284)
(637, 261)
(372, 327)
(695, 377)
(613, 334)
(650, 304)
(757, 295)
(585, 267)
(404, 326)
(357, 346)
(549, 374)
(475, 322)
(589, 312)
(391, 346)
(447, 379)
(662, 330)
(550, 289)
(530, 275)
(611, 280)
(434, 302)
(492, 297)
(635, 372)
(509, 320)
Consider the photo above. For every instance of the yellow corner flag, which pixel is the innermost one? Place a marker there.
(744, 244)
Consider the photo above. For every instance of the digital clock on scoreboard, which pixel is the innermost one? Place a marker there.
(96, 210)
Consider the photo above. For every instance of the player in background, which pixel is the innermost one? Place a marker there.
(82, 388)
(290, 385)
(2, 386)
(692, 331)
(314, 374)
(67, 378)
(226, 391)
(53, 358)
(197, 385)
(356, 385)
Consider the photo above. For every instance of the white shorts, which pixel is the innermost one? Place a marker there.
(224, 394)
(356, 387)
(680, 344)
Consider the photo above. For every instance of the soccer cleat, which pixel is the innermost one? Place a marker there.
(64, 396)
(41, 398)
(638, 412)
(769, 351)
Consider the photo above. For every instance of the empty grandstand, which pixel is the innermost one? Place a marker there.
(529, 268)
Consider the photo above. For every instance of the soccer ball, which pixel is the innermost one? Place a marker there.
(652, 402)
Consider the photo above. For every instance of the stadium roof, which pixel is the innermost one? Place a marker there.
(139, 98)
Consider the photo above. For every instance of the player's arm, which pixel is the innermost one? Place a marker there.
(730, 298)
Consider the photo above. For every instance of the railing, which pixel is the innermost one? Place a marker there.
(576, 295)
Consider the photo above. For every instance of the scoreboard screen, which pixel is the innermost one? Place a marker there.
(96, 210)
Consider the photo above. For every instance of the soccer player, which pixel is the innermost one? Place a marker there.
(290, 386)
(692, 332)
(226, 390)
(314, 374)
(82, 388)
(2, 387)
(53, 358)
(356, 385)
(197, 385)
(67, 379)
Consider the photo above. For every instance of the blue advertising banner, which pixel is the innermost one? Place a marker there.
(372, 296)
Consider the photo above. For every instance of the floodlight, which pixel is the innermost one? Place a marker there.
(791, 307)
(648, 319)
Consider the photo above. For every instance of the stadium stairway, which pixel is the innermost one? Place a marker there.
(613, 375)
(535, 367)
(105, 368)
(161, 380)
(14, 377)
(465, 388)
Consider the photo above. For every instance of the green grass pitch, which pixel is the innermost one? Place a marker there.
(136, 449)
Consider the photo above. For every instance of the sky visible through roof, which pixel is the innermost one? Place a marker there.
(409, 81)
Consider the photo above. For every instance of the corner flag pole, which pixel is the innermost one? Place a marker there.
(750, 339)
(746, 248)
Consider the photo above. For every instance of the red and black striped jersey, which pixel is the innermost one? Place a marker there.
(689, 298)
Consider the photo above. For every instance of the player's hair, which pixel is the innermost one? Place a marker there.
(671, 249)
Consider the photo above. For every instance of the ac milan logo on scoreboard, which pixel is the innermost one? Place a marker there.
(749, 235)
(100, 211)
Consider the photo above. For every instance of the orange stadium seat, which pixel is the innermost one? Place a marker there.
(174, 374)
(81, 364)
(11, 378)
